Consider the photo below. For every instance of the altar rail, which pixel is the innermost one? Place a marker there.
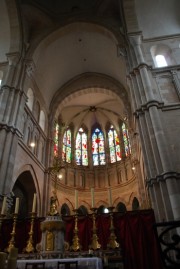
(134, 233)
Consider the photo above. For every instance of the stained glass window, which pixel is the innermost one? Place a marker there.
(56, 139)
(127, 145)
(81, 153)
(114, 145)
(98, 151)
(66, 149)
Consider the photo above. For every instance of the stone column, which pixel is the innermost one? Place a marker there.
(152, 126)
(11, 112)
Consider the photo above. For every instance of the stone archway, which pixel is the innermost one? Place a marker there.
(24, 188)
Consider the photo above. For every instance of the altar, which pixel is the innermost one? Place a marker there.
(83, 262)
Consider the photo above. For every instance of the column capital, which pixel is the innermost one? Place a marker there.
(13, 58)
(135, 38)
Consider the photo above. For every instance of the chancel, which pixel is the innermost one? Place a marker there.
(89, 133)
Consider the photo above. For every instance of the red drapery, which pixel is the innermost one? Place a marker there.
(134, 232)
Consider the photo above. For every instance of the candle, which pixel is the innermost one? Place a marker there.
(3, 205)
(92, 197)
(110, 198)
(34, 203)
(76, 199)
(16, 206)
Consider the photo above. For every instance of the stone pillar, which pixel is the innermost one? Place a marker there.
(154, 144)
(11, 112)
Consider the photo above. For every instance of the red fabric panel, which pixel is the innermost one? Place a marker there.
(134, 231)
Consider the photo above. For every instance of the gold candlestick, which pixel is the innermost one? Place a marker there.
(112, 238)
(12, 240)
(75, 245)
(29, 247)
(94, 241)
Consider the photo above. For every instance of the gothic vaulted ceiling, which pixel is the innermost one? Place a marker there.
(77, 37)
(67, 39)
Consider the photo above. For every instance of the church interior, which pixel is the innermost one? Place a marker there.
(89, 129)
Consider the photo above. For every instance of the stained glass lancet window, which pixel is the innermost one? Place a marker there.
(114, 145)
(127, 145)
(81, 153)
(56, 139)
(66, 149)
(98, 151)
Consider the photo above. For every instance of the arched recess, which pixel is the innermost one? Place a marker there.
(121, 207)
(164, 51)
(87, 83)
(65, 211)
(82, 210)
(24, 188)
(24, 185)
(60, 38)
(135, 204)
(103, 28)
(101, 209)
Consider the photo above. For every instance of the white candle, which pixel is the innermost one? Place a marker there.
(76, 199)
(3, 205)
(16, 206)
(110, 197)
(92, 197)
(34, 203)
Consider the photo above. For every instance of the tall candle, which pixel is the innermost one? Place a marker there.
(76, 199)
(16, 206)
(3, 205)
(110, 197)
(92, 197)
(34, 203)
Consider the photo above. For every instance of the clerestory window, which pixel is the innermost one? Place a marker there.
(114, 145)
(160, 61)
(81, 152)
(98, 149)
(66, 150)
